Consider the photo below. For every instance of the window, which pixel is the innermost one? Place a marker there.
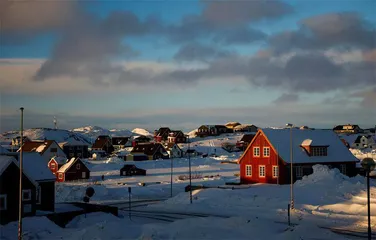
(275, 171)
(83, 174)
(261, 171)
(71, 155)
(38, 196)
(299, 172)
(266, 152)
(54, 150)
(248, 170)
(3, 202)
(26, 195)
(256, 151)
(319, 151)
(53, 166)
(78, 166)
(343, 169)
(60, 175)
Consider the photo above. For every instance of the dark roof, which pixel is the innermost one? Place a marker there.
(100, 143)
(142, 138)
(163, 131)
(33, 145)
(147, 148)
(247, 137)
(170, 145)
(119, 140)
(175, 133)
(340, 127)
(103, 137)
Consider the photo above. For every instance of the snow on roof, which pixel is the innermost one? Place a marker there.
(5, 161)
(337, 151)
(3, 150)
(60, 160)
(307, 142)
(138, 154)
(35, 166)
(67, 165)
(72, 141)
(40, 148)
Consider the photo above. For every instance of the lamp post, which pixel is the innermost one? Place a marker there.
(291, 168)
(20, 183)
(190, 172)
(368, 164)
(171, 174)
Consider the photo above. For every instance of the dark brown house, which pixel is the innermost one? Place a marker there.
(9, 191)
(140, 139)
(176, 136)
(243, 143)
(103, 143)
(119, 142)
(348, 128)
(151, 150)
(75, 169)
(75, 148)
(212, 130)
(161, 134)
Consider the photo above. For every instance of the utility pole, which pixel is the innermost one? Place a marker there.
(190, 172)
(291, 168)
(20, 205)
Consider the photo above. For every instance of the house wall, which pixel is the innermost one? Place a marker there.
(9, 181)
(47, 196)
(267, 161)
(75, 174)
(53, 170)
(47, 155)
(81, 151)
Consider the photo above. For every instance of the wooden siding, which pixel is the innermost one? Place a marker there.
(47, 196)
(9, 185)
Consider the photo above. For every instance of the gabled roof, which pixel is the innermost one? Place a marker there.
(100, 143)
(280, 141)
(171, 145)
(37, 146)
(247, 137)
(35, 167)
(5, 161)
(232, 124)
(119, 140)
(147, 148)
(176, 133)
(242, 126)
(60, 160)
(72, 141)
(3, 150)
(66, 166)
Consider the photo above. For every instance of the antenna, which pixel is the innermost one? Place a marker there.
(55, 122)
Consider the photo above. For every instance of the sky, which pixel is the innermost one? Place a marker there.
(184, 63)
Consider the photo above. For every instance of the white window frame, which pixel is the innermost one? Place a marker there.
(343, 169)
(26, 191)
(53, 165)
(254, 151)
(260, 167)
(38, 195)
(60, 175)
(299, 171)
(266, 155)
(4, 200)
(82, 175)
(78, 166)
(248, 169)
(275, 171)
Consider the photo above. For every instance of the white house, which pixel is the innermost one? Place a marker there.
(174, 150)
(364, 141)
(47, 149)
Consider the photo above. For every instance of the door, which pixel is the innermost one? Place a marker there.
(83, 174)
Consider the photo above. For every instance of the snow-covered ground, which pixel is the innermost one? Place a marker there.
(324, 199)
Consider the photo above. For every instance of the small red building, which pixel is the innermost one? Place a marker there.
(176, 136)
(56, 163)
(267, 157)
(75, 169)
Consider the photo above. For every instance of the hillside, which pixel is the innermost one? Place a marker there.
(141, 131)
(59, 135)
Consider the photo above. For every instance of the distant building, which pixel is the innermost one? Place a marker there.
(232, 125)
(148, 151)
(47, 149)
(267, 157)
(173, 150)
(55, 163)
(16, 142)
(243, 143)
(74, 169)
(161, 134)
(104, 143)
(348, 128)
(119, 142)
(140, 139)
(212, 130)
(176, 136)
(246, 128)
(75, 148)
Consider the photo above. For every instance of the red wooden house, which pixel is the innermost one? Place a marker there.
(267, 158)
(75, 169)
(161, 134)
(176, 136)
(56, 163)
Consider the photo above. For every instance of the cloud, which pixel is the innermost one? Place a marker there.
(287, 98)
(195, 51)
(344, 30)
(368, 97)
(22, 20)
(87, 49)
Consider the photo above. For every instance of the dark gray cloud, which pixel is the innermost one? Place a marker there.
(196, 51)
(368, 98)
(88, 48)
(239, 35)
(287, 98)
(333, 30)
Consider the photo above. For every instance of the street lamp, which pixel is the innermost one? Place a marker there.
(368, 164)
(190, 172)
(20, 206)
(289, 125)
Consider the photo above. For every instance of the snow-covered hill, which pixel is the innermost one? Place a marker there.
(141, 131)
(59, 135)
